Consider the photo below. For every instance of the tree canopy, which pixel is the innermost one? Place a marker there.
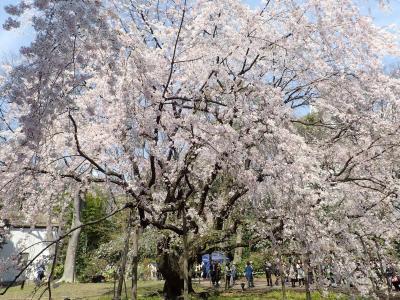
(187, 108)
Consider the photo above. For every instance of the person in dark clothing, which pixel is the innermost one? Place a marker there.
(389, 276)
(396, 282)
(204, 271)
(310, 277)
(212, 272)
(228, 274)
(268, 273)
(213, 269)
(215, 273)
(40, 273)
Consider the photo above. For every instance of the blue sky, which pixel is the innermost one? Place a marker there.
(368, 7)
(11, 41)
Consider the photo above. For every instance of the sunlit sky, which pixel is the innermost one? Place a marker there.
(11, 41)
(368, 7)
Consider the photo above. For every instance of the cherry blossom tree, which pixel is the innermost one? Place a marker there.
(167, 100)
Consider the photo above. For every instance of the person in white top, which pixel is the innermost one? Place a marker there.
(300, 274)
(292, 275)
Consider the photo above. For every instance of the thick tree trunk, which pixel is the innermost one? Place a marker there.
(383, 277)
(282, 273)
(185, 258)
(278, 249)
(135, 260)
(170, 266)
(69, 274)
(124, 258)
(317, 279)
(170, 269)
(306, 263)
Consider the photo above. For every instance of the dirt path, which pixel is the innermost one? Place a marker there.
(260, 284)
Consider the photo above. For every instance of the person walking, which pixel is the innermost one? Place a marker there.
(40, 273)
(213, 270)
(228, 275)
(217, 274)
(268, 273)
(233, 275)
(389, 275)
(203, 270)
(249, 275)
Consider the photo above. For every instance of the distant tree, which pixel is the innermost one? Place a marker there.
(86, 243)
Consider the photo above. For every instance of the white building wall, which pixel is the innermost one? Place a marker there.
(21, 238)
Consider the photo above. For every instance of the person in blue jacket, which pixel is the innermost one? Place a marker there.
(248, 272)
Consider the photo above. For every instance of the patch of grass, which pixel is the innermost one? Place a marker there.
(100, 291)
(148, 290)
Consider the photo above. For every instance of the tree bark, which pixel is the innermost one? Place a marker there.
(282, 273)
(69, 274)
(135, 260)
(170, 269)
(170, 266)
(281, 270)
(383, 276)
(185, 258)
(238, 251)
(124, 258)
(306, 262)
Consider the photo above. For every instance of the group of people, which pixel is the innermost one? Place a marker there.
(293, 273)
(296, 274)
(231, 274)
(216, 274)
